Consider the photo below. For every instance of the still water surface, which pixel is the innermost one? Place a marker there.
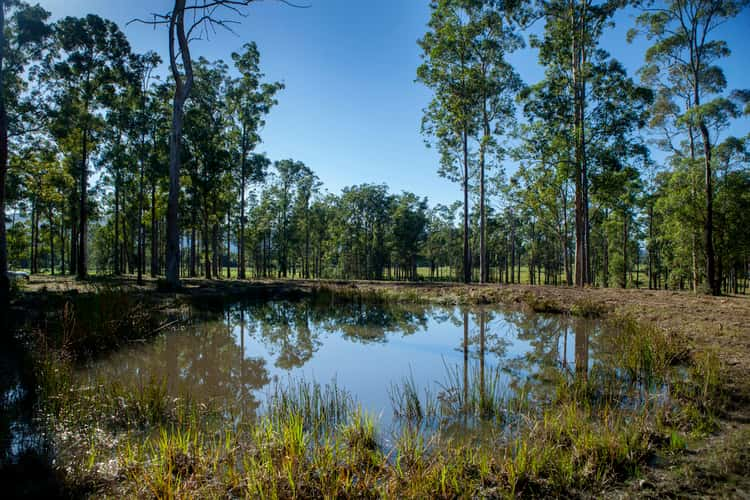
(235, 353)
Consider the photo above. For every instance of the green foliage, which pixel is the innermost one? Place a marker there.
(645, 353)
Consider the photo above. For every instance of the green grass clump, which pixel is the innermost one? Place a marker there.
(541, 304)
(702, 395)
(481, 395)
(644, 352)
(360, 432)
(572, 447)
(587, 308)
(319, 407)
(406, 401)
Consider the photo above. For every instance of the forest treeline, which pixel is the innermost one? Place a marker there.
(109, 167)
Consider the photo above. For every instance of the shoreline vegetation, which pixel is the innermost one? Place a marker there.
(315, 440)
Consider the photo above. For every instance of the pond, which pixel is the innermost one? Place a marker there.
(235, 355)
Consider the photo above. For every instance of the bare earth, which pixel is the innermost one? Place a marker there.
(716, 466)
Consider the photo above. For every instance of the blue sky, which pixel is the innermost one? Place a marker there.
(351, 109)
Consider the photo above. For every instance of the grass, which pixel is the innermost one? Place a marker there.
(322, 407)
(314, 440)
(644, 353)
(407, 403)
(87, 325)
(587, 308)
(541, 304)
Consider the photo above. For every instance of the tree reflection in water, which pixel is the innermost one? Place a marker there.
(228, 354)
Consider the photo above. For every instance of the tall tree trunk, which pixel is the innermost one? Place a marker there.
(531, 253)
(154, 236)
(708, 227)
(637, 265)
(582, 271)
(32, 246)
(62, 245)
(566, 251)
(182, 91)
(708, 224)
(35, 240)
(651, 280)
(173, 229)
(482, 212)
(625, 250)
(605, 256)
(4, 282)
(206, 243)
(467, 255)
(73, 238)
(307, 240)
(512, 248)
(229, 246)
(81, 268)
(192, 271)
(51, 240)
(116, 244)
(693, 195)
(141, 228)
(215, 249)
(241, 239)
(580, 255)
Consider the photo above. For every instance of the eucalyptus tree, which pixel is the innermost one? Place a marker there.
(157, 112)
(264, 213)
(617, 191)
(186, 21)
(361, 230)
(45, 184)
(124, 153)
(408, 232)
(322, 213)
(89, 65)
(31, 164)
(206, 127)
(22, 29)
(493, 36)
(545, 151)
(253, 170)
(544, 196)
(290, 174)
(732, 158)
(583, 73)
(307, 188)
(250, 101)
(682, 65)
(439, 241)
(450, 119)
(116, 156)
(617, 153)
(142, 67)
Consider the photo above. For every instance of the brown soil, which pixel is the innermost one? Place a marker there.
(716, 466)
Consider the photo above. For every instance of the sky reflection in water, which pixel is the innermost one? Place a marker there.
(233, 354)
